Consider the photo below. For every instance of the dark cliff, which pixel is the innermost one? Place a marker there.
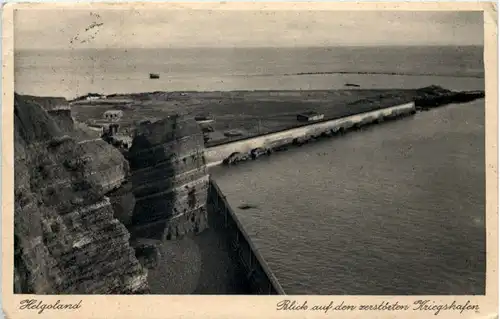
(169, 179)
(66, 238)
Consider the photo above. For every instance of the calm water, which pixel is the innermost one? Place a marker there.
(396, 209)
(72, 73)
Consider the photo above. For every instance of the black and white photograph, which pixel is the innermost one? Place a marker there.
(179, 151)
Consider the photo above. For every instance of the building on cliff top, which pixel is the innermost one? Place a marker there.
(113, 115)
(94, 97)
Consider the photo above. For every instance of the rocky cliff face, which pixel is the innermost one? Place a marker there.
(169, 179)
(66, 238)
(60, 111)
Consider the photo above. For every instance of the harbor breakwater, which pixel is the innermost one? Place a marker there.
(423, 99)
(90, 171)
(247, 148)
(259, 276)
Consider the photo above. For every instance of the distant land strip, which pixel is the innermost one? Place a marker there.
(477, 76)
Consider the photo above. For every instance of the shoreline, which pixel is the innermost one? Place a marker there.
(357, 112)
(127, 97)
(426, 99)
(265, 145)
(249, 113)
(247, 116)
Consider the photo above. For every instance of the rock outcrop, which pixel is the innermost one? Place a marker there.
(434, 96)
(169, 179)
(59, 110)
(66, 238)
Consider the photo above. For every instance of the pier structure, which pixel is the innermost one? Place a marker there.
(217, 154)
(259, 275)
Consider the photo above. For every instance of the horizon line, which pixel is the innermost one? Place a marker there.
(259, 47)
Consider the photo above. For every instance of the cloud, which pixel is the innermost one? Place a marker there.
(45, 29)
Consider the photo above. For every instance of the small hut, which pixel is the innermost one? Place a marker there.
(113, 115)
(310, 116)
(203, 119)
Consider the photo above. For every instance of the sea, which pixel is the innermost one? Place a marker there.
(71, 73)
(397, 208)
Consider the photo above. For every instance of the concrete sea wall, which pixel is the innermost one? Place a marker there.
(259, 275)
(217, 154)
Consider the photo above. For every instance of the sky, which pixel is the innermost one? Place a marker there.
(164, 28)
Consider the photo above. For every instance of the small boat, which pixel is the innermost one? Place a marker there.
(352, 85)
(154, 76)
(232, 133)
(203, 119)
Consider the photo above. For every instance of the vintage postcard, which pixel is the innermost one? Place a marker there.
(241, 160)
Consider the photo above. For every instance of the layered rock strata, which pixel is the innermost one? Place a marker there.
(66, 238)
(169, 179)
